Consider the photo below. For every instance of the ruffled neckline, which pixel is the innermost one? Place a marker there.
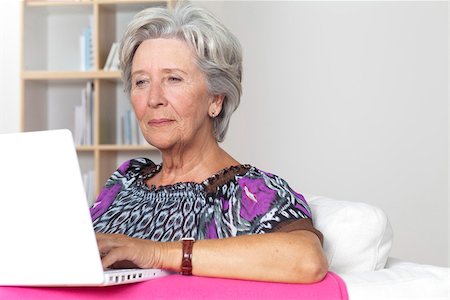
(219, 178)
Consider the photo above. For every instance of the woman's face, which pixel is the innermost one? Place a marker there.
(169, 94)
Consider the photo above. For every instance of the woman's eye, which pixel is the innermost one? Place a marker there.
(140, 83)
(174, 79)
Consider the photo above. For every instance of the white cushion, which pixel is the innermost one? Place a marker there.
(400, 280)
(357, 236)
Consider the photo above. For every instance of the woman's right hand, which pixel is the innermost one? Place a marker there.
(121, 251)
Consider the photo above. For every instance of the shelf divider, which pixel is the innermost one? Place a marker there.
(69, 75)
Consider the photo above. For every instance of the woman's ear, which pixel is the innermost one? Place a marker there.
(215, 106)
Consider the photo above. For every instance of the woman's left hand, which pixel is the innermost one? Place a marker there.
(121, 251)
(295, 256)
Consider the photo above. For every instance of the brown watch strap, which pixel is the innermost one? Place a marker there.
(186, 261)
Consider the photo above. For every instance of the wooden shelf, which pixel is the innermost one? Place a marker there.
(57, 3)
(125, 147)
(127, 1)
(69, 75)
(113, 147)
(86, 2)
(85, 148)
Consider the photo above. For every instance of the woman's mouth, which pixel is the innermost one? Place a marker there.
(159, 122)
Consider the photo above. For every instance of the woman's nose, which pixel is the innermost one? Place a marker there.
(156, 95)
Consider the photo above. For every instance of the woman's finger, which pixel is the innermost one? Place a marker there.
(115, 255)
(121, 250)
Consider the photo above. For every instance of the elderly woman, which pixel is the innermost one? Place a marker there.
(200, 211)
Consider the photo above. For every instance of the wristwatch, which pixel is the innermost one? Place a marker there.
(186, 261)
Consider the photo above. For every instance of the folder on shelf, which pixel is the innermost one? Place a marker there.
(82, 53)
(130, 131)
(89, 93)
(112, 59)
(88, 181)
(83, 133)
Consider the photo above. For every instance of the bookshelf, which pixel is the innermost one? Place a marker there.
(53, 76)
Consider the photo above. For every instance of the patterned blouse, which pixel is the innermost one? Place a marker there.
(235, 201)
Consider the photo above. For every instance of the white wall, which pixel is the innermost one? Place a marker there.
(347, 100)
(10, 66)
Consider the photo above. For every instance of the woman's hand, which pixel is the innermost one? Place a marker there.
(121, 251)
(295, 257)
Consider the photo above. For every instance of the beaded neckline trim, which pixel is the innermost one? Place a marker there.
(223, 175)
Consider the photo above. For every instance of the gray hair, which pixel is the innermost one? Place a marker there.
(218, 52)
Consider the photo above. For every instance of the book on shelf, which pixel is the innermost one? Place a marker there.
(112, 61)
(83, 132)
(86, 48)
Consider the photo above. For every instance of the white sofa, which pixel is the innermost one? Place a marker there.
(357, 241)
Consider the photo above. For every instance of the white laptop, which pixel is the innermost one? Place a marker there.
(46, 233)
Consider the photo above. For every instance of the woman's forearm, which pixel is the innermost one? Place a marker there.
(295, 257)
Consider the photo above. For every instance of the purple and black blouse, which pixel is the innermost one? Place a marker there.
(238, 200)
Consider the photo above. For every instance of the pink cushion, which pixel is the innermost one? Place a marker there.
(182, 287)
